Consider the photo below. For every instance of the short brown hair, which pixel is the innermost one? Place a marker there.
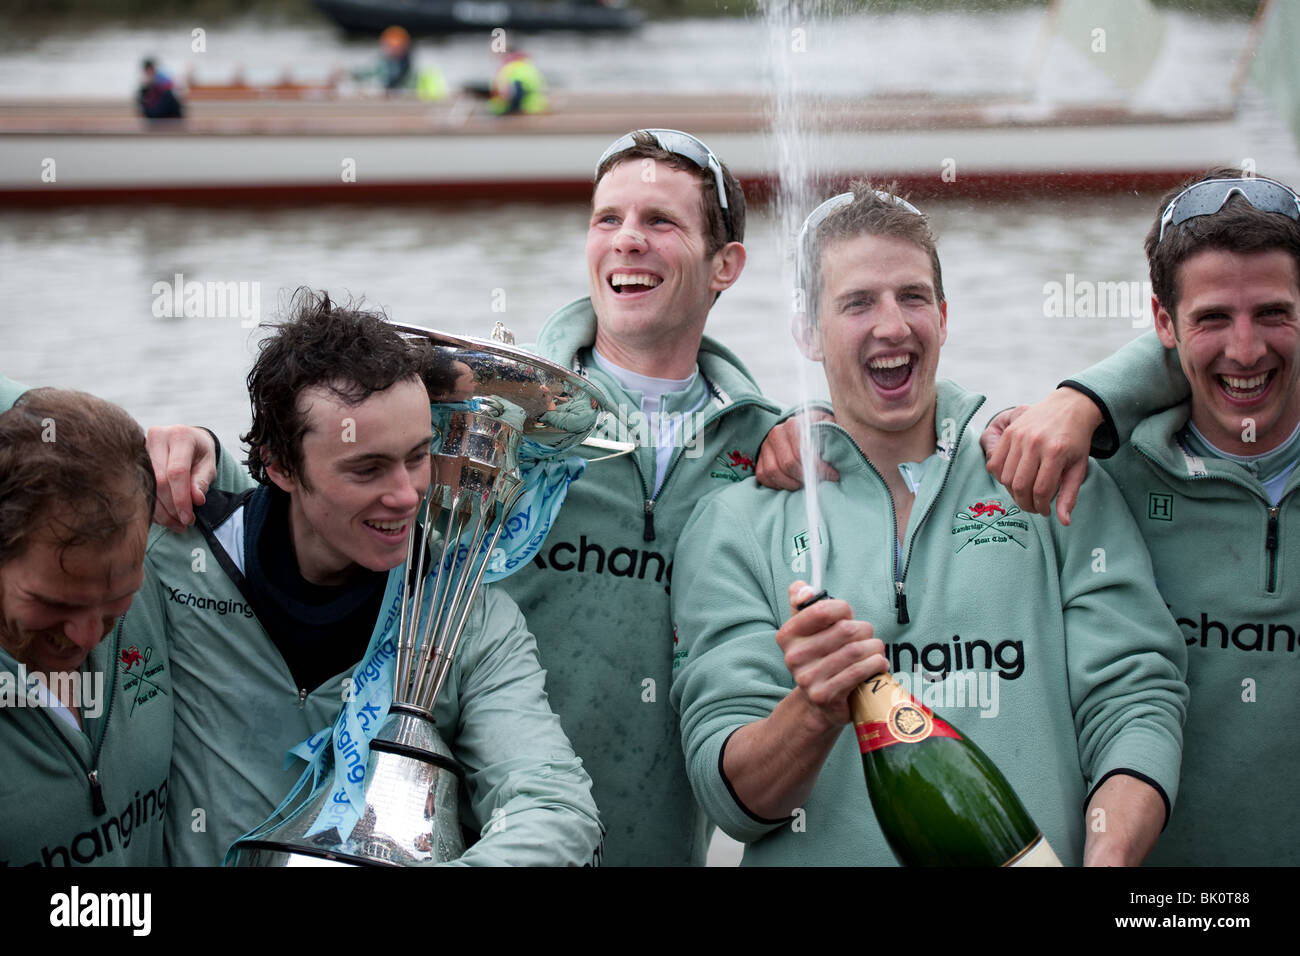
(346, 351)
(715, 224)
(867, 215)
(73, 463)
(1237, 227)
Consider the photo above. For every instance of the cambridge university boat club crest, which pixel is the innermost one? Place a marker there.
(989, 522)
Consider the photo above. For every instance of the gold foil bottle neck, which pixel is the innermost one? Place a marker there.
(872, 700)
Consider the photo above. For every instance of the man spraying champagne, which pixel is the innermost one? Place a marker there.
(956, 583)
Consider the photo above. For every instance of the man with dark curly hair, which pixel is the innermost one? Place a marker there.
(273, 596)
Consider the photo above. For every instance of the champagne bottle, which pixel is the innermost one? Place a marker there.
(939, 800)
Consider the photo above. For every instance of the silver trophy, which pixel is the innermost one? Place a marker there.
(499, 397)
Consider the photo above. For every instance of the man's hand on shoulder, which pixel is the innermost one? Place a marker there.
(184, 462)
(780, 460)
(1040, 452)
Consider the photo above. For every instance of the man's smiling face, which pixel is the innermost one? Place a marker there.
(652, 279)
(368, 467)
(57, 603)
(1237, 332)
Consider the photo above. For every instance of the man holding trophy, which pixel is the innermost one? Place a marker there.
(277, 592)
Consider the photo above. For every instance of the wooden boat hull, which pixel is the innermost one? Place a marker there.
(331, 150)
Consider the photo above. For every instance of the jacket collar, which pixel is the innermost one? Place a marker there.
(954, 408)
(1156, 438)
(573, 328)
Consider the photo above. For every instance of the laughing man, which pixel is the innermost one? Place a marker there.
(664, 240)
(85, 697)
(1213, 485)
(921, 543)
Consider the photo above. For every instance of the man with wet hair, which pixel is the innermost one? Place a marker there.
(1212, 483)
(273, 596)
(1056, 635)
(85, 698)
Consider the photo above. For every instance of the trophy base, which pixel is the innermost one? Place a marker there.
(411, 807)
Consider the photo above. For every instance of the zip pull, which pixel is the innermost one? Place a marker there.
(900, 602)
(1270, 545)
(97, 805)
(302, 697)
(649, 533)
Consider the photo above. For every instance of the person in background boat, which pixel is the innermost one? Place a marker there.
(275, 593)
(157, 96)
(518, 86)
(395, 70)
(1199, 423)
(85, 698)
(1063, 639)
(394, 67)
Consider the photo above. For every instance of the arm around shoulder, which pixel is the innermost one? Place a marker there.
(1140, 379)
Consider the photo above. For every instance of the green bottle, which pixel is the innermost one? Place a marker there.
(939, 800)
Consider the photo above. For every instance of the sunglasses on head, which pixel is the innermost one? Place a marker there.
(822, 212)
(689, 148)
(1207, 197)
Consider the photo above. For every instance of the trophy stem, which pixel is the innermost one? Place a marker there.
(449, 632)
(404, 644)
(441, 575)
(478, 580)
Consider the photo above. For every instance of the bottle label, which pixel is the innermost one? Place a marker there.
(1038, 853)
(908, 722)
